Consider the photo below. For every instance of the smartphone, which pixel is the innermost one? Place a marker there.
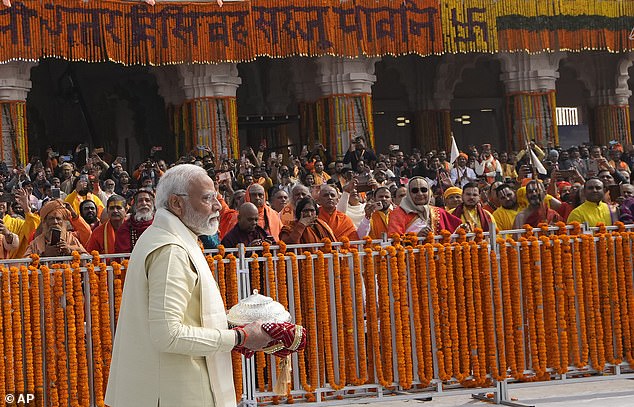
(56, 236)
(201, 148)
(98, 150)
(224, 176)
(593, 167)
(65, 158)
(158, 148)
(55, 193)
(122, 160)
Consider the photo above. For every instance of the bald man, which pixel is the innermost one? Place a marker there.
(339, 222)
(247, 230)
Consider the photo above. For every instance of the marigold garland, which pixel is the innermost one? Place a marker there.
(348, 318)
(596, 299)
(581, 294)
(452, 311)
(398, 316)
(260, 359)
(610, 304)
(118, 289)
(529, 310)
(10, 386)
(104, 320)
(416, 313)
(60, 337)
(560, 293)
(509, 329)
(36, 325)
(51, 361)
(339, 310)
(385, 318)
(570, 309)
(443, 299)
(462, 370)
(549, 305)
(538, 308)
(232, 299)
(82, 360)
(16, 314)
(499, 322)
(216, 263)
(433, 283)
(362, 377)
(488, 312)
(623, 298)
(71, 339)
(516, 306)
(97, 357)
(297, 297)
(471, 317)
(3, 277)
(480, 378)
(629, 284)
(311, 325)
(424, 263)
(613, 290)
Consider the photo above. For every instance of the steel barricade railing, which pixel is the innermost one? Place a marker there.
(359, 329)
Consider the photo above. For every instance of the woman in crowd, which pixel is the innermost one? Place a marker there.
(307, 227)
(415, 214)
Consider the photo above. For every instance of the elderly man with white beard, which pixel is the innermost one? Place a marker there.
(172, 345)
(140, 219)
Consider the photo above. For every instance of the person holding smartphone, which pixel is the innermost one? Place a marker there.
(55, 239)
(377, 215)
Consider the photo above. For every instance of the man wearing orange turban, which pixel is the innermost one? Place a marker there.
(55, 217)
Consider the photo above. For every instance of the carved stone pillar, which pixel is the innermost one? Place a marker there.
(15, 85)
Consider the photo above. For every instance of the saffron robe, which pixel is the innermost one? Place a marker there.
(298, 233)
(340, 224)
(102, 239)
(127, 234)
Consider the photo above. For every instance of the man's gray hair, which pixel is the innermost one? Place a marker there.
(175, 181)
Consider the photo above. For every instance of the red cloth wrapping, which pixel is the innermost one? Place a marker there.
(284, 335)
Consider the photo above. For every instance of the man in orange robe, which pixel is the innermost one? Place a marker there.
(287, 214)
(339, 222)
(103, 237)
(227, 214)
(269, 219)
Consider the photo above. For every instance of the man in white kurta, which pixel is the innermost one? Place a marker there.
(172, 343)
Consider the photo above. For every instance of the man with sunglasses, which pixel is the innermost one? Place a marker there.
(416, 214)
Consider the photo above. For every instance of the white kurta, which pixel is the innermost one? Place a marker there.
(172, 344)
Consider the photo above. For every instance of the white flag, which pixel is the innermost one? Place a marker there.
(536, 163)
(454, 151)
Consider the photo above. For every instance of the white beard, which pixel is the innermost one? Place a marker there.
(198, 223)
(144, 215)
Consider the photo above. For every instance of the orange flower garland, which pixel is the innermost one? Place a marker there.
(118, 289)
(443, 297)
(369, 278)
(529, 310)
(270, 270)
(610, 304)
(623, 299)
(424, 263)
(629, 285)
(570, 309)
(596, 299)
(580, 290)
(416, 313)
(97, 358)
(29, 379)
(338, 301)
(516, 307)
(589, 300)
(538, 308)
(51, 362)
(220, 268)
(36, 313)
(461, 369)
(311, 325)
(16, 314)
(232, 299)
(452, 312)
(499, 322)
(260, 359)
(60, 339)
(471, 323)
(509, 331)
(560, 291)
(71, 340)
(82, 360)
(487, 309)
(613, 291)
(433, 283)
(385, 318)
(104, 320)
(359, 304)
(348, 319)
(297, 296)
(3, 277)
(479, 317)
(549, 306)
(398, 321)
(8, 333)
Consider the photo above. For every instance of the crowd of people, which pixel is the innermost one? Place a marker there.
(89, 201)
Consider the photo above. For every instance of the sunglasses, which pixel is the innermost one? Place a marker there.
(417, 190)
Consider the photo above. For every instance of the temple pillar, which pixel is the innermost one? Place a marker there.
(345, 109)
(15, 85)
(307, 94)
(530, 97)
(208, 115)
(607, 80)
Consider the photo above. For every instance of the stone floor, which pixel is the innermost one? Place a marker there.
(612, 393)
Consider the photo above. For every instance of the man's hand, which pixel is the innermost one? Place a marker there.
(70, 209)
(63, 247)
(370, 208)
(308, 220)
(351, 186)
(257, 338)
(22, 198)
